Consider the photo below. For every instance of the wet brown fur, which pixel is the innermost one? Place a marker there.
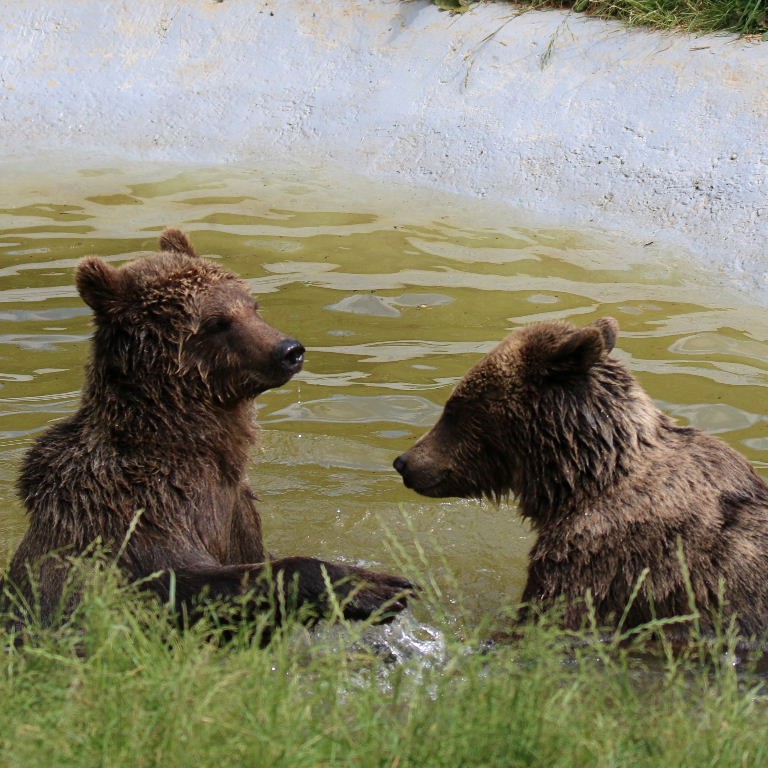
(610, 484)
(164, 429)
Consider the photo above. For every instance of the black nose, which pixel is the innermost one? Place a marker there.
(399, 464)
(290, 354)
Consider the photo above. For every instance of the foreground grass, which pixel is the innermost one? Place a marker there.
(121, 687)
(744, 17)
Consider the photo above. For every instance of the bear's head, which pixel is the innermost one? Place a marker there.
(175, 321)
(547, 416)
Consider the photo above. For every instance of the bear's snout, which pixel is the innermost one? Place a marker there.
(411, 476)
(400, 464)
(290, 354)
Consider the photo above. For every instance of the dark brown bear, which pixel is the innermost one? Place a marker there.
(164, 427)
(615, 490)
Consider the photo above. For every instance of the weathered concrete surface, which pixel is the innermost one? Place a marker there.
(664, 137)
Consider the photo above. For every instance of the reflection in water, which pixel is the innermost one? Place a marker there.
(395, 293)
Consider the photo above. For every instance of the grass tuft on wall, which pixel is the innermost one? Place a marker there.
(743, 17)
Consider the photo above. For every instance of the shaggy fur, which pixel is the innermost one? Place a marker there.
(164, 427)
(615, 490)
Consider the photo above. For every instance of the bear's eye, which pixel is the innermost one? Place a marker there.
(217, 324)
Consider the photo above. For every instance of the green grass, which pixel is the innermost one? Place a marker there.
(744, 17)
(121, 686)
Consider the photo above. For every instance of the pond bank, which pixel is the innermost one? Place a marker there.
(656, 136)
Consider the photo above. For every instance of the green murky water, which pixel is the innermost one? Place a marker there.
(395, 292)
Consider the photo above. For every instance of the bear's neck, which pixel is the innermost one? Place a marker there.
(577, 462)
(169, 425)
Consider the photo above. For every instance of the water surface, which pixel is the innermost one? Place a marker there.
(395, 292)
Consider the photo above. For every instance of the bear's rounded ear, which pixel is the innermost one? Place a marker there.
(100, 285)
(609, 327)
(176, 241)
(576, 352)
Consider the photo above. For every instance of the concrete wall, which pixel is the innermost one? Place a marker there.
(664, 137)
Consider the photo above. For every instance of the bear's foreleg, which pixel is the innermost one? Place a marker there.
(286, 585)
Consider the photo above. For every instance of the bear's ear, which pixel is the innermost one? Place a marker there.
(176, 241)
(609, 327)
(100, 285)
(576, 352)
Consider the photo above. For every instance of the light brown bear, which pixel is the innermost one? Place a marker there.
(164, 427)
(614, 489)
